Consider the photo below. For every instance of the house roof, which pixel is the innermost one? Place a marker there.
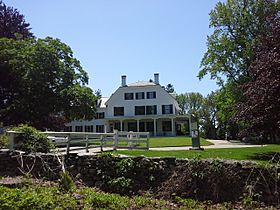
(141, 83)
(101, 102)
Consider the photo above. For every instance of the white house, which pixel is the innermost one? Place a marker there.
(143, 106)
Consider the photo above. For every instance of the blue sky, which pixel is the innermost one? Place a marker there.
(129, 37)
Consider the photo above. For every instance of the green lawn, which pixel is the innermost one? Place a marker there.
(175, 141)
(259, 154)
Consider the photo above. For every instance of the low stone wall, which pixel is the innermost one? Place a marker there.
(166, 177)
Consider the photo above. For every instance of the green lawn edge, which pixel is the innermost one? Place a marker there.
(259, 154)
(175, 141)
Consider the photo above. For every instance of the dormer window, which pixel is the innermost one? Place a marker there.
(140, 95)
(151, 94)
(128, 96)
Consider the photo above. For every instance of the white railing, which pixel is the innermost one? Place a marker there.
(70, 141)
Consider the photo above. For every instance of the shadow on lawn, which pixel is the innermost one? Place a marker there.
(273, 157)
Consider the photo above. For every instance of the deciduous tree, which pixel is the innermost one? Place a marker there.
(12, 23)
(260, 110)
(42, 80)
(237, 25)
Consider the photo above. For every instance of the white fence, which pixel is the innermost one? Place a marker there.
(70, 141)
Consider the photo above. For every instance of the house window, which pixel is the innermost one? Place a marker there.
(128, 96)
(88, 128)
(78, 128)
(151, 109)
(100, 115)
(139, 110)
(140, 95)
(151, 95)
(167, 109)
(99, 128)
(68, 129)
(117, 126)
(118, 111)
(166, 126)
(132, 126)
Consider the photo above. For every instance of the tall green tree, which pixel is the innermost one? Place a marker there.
(208, 117)
(190, 102)
(237, 25)
(12, 23)
(42, 80)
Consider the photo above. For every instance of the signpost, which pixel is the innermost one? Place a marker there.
(195, 133)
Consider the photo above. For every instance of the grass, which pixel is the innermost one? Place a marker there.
(157, 142)
(175, 141)
(259, 154)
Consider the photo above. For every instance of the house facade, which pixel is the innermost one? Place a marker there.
(143, 106)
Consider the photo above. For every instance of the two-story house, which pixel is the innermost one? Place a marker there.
(143, 106)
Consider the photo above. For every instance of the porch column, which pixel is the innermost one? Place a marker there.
(190, 124)
(121, 121)
(155, 127)
(137, 125)
(172, 127)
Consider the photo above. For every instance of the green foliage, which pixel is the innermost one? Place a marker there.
(189, 203)
(190, 102)
(66, 183)
(117, 176)
(237, 26)
(104, 201)
(35, 197)
(40, 79)
(251, 153)
(100, 200)
(31, 140)
(4, 140)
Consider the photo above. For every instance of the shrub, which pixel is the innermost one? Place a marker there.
(35, 197)
(66, 183)
(31, 140)
(4, 140)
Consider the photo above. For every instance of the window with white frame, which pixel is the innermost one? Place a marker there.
(151, 95)
(167, 109)
(128, 96)
(140, 95)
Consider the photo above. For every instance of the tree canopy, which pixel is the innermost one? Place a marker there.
(260, 111)
(40, 78)
(41, 82)
(12, 23)
(237, 26)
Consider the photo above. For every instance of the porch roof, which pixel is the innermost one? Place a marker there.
(151, 117)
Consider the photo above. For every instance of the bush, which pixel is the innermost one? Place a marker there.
(31, 140)
(35, 197)
(66, 183)
(4, 140)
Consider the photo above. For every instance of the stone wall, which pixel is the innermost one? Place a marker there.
(215, 180)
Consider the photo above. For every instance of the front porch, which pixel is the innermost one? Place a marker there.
(156, 126)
